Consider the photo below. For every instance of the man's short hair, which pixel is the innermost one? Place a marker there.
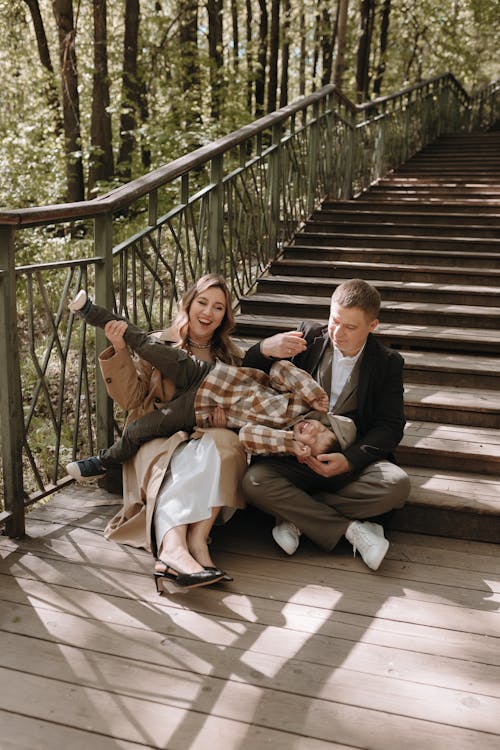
(358, 293)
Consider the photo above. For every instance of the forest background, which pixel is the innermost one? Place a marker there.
(97, 92)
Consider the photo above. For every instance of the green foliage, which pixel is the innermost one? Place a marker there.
(425, 39)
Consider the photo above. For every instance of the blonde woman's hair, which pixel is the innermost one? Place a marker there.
(222, 346)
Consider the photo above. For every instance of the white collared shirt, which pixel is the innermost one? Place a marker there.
(342, 368)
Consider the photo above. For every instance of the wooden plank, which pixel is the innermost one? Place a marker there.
(150, 721)
(210, 683)
(374, 595)
(453, 398)
(21, 732)
(478, 439)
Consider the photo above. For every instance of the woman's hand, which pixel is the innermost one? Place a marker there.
(328, 464)
(115, 331)
(283, 345)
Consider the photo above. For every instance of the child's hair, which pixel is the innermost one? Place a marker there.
(358, 293)
(222, 346)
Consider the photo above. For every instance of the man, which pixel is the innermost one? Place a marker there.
(327, 496)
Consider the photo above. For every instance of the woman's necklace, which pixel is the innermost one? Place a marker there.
(194, 345)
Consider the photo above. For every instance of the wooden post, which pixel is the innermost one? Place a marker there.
(103, 249)
(11, 404)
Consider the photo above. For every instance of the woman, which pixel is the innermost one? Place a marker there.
(174, 490)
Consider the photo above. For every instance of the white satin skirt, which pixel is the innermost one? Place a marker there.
(190, 489)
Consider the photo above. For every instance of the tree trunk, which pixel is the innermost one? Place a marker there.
(250, 57)
(328, 41)
(341, 43)
(367, 10)
(44, 55)
(285, 54)
(384, 36)
(260, 78)
(316, 44)
(302, 60)
(236, 36)
(130, 90)
(101, 166)
(274, 46)
(215, 42)
(63, 12)
(190, 65)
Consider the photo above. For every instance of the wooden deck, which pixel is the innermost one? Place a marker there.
(300, 653)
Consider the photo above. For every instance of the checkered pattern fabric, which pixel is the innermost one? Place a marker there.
(258, 439)
(250, 396)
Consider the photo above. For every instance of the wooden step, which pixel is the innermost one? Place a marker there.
(445, 404)
(450, 503)
(367, 202)
(411, 291)
(413, 198)
(398, 336)
(386, 228)
(416, 218)
(469, 316)
(434, 258)
(385, 271)
(431, 243)
(450, 447)
(456, 370)
(451, 194)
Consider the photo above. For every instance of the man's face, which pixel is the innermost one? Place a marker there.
(348, 328)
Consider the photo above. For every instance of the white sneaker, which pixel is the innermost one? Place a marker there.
(368, 538)
(78, 302)
(286, 535)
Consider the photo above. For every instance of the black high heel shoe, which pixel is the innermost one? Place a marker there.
(225, 576)
(187, 580)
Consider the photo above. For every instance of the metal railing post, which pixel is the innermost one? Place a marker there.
(312, 174)
(215, 260)
(11, 404)
(103, 249)
(274, 192)
(350, 141)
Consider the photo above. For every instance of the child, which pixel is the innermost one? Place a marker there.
(261, 405)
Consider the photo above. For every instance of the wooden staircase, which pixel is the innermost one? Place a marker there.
(428, 237)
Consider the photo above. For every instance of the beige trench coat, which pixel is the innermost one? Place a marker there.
(138, 388)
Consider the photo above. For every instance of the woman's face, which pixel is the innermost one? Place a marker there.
(206, 314)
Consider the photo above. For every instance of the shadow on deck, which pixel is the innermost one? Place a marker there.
(301, 653)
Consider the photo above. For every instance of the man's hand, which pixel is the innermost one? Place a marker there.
(115, 331)
(283, 345)
(328, 464)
